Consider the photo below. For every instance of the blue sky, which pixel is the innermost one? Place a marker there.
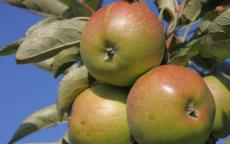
(24, 88)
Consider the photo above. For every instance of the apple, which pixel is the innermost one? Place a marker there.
(170, 104)
(221, 126)
(122, 41)
(99, 116)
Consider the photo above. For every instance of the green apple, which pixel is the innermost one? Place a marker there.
(99, 116)
(170, 105)
(221, 126)
(122, 41)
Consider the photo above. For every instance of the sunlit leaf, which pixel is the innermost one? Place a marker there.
(46, 40)
(41, 119)
(167, 9)
(65, 59)
(73, 83)
(46, 7)
(193, 9)
(46, 64)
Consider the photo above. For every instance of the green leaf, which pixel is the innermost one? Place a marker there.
(45, 7)
(46, 40)
(11, 48)
(216, 44)
(65, 59)
(67, 2)
(206, 21)
(193, 8)
(167, 9)
(73, 83)
(181, 56)
(46, 64)
(41, 119)
(227, 142)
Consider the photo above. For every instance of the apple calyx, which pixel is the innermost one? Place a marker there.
(110, 52)
(191, 110)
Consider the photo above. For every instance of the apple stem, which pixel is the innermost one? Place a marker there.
(86, 6)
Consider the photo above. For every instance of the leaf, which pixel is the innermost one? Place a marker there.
(46, 64)
(11, 48)
(193, 8)
(82, 8)
(45, 7)
(183, 55)
(44, 21)
(73, 83)
(167, 9)
(65, 59)
(41, 119)
(46, 40)
(206, 21)
(216, 44)
(67, 2)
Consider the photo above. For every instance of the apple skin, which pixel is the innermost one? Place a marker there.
(122, 41)
(99, 116)
(170, 105)
(221, 94)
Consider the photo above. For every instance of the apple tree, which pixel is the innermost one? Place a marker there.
(194, 34)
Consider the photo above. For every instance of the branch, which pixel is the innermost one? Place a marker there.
(170, 33)
(86, 6)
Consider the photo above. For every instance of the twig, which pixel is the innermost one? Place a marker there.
(172, 26)
(189, 25)
(170, 42)
(86, 6)
(179, 11)
(181, 8)
(186, 34)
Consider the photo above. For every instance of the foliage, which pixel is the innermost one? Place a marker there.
(53, 44)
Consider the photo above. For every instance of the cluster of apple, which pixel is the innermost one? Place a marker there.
(136, 99)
